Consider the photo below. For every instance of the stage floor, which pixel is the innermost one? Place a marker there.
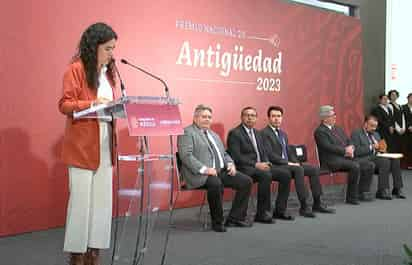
(369, 234)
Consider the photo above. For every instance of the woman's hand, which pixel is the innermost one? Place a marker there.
(101, 100)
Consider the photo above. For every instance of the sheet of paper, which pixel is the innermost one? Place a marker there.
(390, 155)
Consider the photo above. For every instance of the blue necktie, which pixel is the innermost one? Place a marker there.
(283, 144)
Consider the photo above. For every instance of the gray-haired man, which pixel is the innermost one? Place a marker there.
(206, 165)
(336, 152)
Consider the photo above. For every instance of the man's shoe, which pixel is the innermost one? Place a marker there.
(352, 201)
(398, 193)
(264, 220)
(230, 222)
(306, 212)
(219, 228)
(323, 209)
(383, 195)
(283, 216)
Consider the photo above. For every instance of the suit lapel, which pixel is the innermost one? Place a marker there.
(259, 143)
(273, 135)
(365, 137)
(246, 135)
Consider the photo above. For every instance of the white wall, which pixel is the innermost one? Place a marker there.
(399, 47)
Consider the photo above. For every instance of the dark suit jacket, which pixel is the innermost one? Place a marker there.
(385, 121)
(241, 149)
(408, 115)
(397, 114)
(274, 147)
(361, 142)
(330, 148)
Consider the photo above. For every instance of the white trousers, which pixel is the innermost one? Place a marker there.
(89, 211)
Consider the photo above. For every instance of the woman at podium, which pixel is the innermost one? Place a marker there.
(87, 146)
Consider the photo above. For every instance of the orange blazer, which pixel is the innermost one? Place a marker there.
(81, 145)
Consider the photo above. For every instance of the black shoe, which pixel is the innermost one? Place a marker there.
(306, 212)
(398, 193)
(322, 209)
(283, 216)
(219, 228)
(352, 201)
(365, 197)
(230, 222)
(264, 220)
(383, 195)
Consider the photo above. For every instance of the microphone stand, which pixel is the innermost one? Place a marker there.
(166, 88)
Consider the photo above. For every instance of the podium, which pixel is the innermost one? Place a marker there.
(146, 116)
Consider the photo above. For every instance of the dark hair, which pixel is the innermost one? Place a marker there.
(370, 117)
(409, 95)
(277, 108)
(92, 37)
(382, 95)
(247, 108)
(393, 91)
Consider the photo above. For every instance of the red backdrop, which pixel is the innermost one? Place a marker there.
(320, 63)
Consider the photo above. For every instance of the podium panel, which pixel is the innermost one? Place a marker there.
(139, 191)
(140, 237)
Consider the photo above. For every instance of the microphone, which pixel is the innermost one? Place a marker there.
(149, 74)
(122, 88)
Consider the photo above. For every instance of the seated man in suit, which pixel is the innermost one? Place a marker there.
(366, 147)
(245, 145)
(284, 161)
(336, 152)
(206, 165)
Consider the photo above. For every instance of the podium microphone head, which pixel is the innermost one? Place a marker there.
(124, 61)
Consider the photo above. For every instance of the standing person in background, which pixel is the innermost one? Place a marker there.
(87, 146)
(399, 121)
(386, 123)
(407, 111)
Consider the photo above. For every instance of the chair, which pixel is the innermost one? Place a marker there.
(182, 187)
(326, 171)
(300, 152)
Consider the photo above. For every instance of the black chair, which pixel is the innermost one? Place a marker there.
(182, 187)
(324, 170)
(300, 152)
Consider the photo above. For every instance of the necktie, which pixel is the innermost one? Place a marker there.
(254, 143)
(390, 111)
(338, 136)
(283, 144)
(215, 153)
(372, 142)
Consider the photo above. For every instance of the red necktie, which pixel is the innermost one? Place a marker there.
(338, 136)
